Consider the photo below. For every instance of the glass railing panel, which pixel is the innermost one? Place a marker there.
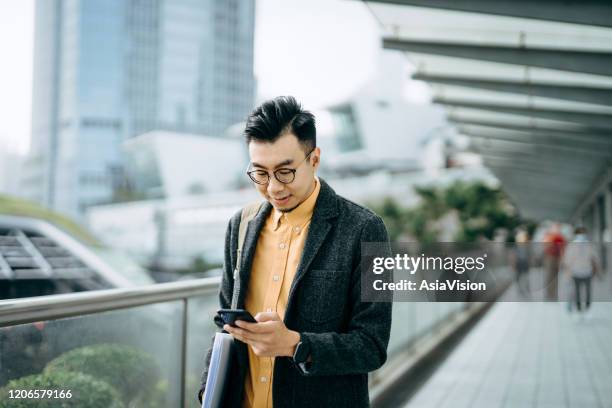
(425, 317)
(402, 327)
(412, 320)
(131, 355)
(200, 329)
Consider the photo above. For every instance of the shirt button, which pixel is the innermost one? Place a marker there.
(282, 246)
(275, 278)
(296, 229)
(263, 379)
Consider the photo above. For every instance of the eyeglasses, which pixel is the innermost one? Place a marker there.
(284, 175)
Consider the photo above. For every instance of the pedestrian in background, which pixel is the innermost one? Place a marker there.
(580, 262)
(554, 243)
(521, 257)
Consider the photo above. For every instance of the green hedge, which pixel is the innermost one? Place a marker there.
(131, 371)
(86, 390)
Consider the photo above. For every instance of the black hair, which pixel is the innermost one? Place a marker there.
(580, 230)
(276, 117)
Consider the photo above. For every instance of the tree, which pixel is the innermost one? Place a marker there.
(481, 210)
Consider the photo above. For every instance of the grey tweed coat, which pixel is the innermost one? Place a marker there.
(348, 338)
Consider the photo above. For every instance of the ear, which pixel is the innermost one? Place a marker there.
(316, 158)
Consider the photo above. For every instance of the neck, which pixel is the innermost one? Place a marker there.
(311, 189)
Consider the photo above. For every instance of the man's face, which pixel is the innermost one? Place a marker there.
(285, 153)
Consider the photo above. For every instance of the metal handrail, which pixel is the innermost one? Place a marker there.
(40, 308)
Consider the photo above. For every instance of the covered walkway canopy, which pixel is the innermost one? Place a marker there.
(530, 84)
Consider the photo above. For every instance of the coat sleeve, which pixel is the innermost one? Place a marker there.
(363, 347)
(225, 296)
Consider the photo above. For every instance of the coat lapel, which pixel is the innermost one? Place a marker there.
(325, 209)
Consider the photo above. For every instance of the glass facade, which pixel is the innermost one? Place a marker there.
(348, 138)
(39, 168)
(109, 70)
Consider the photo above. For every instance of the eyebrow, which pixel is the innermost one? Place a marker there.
(281, 164)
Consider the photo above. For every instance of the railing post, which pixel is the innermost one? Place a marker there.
(184, 351)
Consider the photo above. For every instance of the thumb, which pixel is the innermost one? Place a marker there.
(267, 317)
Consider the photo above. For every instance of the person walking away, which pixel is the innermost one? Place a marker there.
(580, 262)
(520, 261)
(554, 242)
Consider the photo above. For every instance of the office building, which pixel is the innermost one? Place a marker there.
(106, 71)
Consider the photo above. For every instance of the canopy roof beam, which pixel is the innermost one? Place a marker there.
(591, 12)
(591, 62)
(601, 120)
(571, 131)
(589, 94)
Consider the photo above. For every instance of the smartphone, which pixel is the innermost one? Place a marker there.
(229, 316)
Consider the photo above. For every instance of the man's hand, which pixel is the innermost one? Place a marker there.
(269, 337)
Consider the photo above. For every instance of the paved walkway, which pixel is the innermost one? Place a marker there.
(528, 355)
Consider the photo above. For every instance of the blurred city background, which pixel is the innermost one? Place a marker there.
(122, 160)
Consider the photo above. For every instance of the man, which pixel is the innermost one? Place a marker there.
(580, 262)
(520, 260)
(315, 340)
(554, 243)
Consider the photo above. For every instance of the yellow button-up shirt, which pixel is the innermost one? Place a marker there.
(276, 259)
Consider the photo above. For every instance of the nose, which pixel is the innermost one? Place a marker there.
(275, 187)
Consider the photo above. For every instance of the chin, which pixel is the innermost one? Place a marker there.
(287, 208)
(290, 205)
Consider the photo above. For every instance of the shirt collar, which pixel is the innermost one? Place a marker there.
(301, 213)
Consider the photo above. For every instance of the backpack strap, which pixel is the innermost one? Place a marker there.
(248, 213)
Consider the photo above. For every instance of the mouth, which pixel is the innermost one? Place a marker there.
(281, 201)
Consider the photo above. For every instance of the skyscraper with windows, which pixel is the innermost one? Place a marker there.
(108, 70)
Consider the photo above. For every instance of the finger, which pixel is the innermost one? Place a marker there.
(230, 329)
(258, 328)
(238, 337)
(263, 328)
(245, 334)
(252, 327)
(267, 316)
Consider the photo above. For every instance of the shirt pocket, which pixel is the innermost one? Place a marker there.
(322, 296)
